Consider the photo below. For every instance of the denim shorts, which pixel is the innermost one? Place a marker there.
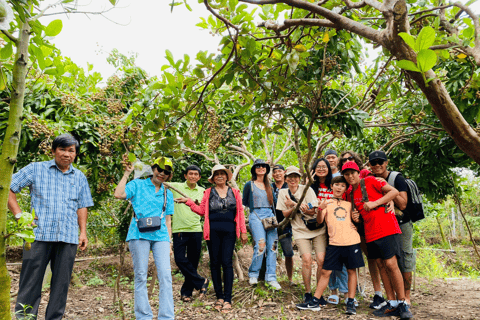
(287, 246)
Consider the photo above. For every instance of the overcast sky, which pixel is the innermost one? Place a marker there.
(145, 27)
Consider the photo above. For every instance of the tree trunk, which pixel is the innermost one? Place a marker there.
(444, 239)
(9, 157)
(437, 95)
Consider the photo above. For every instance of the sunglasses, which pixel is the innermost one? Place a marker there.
(165, 171)
(262, 165)
(377, 161)
(349, 158)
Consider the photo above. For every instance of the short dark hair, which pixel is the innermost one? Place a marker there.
(65, 140)
(339, 179)
(355, 156)
(193, 168)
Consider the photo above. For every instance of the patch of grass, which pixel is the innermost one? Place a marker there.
(95, 281)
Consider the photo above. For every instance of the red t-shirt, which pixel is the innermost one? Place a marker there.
(378, 224)
(324, 192)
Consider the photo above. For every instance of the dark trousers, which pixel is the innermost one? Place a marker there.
(220, 248)
(61, 257)
(187, 247)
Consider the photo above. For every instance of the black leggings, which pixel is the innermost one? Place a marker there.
(220, 248)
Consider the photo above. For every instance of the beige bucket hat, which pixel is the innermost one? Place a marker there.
(220, 167)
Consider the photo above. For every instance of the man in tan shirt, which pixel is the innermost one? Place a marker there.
(343, 247)
(304, 237)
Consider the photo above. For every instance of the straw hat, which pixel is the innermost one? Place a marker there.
(220, 167)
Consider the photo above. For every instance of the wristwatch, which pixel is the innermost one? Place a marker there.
(18, 215)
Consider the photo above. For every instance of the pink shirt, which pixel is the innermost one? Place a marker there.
(203, 209)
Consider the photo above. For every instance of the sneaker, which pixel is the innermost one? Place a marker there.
(322, 301)
(253, 281)
(313, 304)
(351, 307)
(404, 311)
(274, 284)
(386, 311)
(378, 302)
(307, 297)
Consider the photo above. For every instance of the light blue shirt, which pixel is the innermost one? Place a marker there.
(147, 203)
(56, 196)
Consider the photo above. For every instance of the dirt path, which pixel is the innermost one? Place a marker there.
(436, 299)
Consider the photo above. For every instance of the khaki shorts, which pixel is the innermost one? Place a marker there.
(319, 244)
(406, 262)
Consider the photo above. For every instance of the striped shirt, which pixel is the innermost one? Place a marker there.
(148, 203)
(56, 196)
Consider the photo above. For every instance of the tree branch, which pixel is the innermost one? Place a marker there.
(274, 26)
(373, 3)
(338, 20)
(476, 51)
(199, 153)
(10, 36)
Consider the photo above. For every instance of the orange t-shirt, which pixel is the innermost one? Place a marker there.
(341, 230)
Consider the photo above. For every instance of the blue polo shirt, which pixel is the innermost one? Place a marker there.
(147, 203)
(56, 196)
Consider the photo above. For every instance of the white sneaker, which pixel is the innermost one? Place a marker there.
(275, 285)
(253, 281)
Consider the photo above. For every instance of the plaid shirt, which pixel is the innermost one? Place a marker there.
(56, 196)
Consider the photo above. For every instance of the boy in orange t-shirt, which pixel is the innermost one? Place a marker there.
(343, 247)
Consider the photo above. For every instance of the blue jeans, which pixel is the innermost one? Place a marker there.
(339, 280)
(140, 250)
(270, 238)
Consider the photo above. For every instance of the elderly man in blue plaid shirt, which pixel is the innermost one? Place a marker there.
(60, 196)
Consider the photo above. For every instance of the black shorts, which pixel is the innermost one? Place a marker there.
(337, 256)
(384, 248)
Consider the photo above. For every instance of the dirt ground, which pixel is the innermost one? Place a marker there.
(93, 297)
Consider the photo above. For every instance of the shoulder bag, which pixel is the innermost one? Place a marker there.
(151, 223)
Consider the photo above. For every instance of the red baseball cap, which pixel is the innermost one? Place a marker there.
(350, 165)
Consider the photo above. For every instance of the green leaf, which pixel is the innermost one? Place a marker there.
(6, 51)
(27, 235)
(131, 157)
(54, 28)
(2, 80)
(409, 39)
(113, 2)
(199, 73)
(425, 39)
(426, 60)
(407, 65)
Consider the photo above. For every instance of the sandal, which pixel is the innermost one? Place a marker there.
(218, 304)
(227, 306)
(333, 299)
(203, 290)
(186, 299)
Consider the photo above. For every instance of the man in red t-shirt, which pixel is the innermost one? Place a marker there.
(381, 234)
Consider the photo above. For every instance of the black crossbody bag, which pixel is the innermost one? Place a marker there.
(151, 223)
(311, 224)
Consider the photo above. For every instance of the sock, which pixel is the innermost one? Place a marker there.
(394, 303)
(378, 293)
(350, 299)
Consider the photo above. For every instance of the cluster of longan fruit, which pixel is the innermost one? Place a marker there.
(39, 128)
(214, 134)
(418, 118)
(331, 62)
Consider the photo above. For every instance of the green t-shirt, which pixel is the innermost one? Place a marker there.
(184, 219)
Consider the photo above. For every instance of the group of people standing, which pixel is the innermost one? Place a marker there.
(347, 210)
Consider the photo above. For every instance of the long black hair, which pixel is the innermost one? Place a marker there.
(268, 187)
(316, 180)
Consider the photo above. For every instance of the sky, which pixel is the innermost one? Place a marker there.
(144, 27)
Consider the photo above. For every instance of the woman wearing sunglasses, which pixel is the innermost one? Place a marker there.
(224, 223)
(258, 196)
(150, 199)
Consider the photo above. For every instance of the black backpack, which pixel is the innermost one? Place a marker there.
(415, 203)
